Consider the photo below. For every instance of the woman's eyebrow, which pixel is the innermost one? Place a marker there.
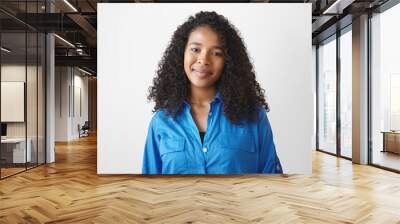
(195, 43)
(216, 46)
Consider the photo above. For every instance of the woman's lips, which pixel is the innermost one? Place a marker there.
(201, 73)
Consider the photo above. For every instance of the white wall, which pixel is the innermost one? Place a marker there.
(61, 103)
(68, 81)
(131, 40)
(18, 73)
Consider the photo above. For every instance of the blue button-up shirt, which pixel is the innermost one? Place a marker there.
(173, 145)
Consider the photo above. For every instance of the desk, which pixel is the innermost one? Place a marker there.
(15, 148)
(391, 141)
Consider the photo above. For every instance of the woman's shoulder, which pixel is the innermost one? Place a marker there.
(158, 115)
(161, 116)
(156, 120)
(261, 113)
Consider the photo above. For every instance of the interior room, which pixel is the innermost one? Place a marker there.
(49, 104)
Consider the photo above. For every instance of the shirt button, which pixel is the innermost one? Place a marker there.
(204, 149)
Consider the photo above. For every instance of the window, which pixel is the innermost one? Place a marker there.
(327, 96)
(385, 88)
(346, 93)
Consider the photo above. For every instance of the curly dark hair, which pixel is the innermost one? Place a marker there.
(241, 94)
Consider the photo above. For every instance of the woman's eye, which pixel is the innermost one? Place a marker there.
(196, 50)
(217, 53)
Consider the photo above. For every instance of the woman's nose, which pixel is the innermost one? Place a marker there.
(203, 59)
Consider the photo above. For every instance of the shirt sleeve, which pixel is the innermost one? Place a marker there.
(151, 159)
(268, 160)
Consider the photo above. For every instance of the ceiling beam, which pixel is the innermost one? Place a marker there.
(86, 26)
(85, 61)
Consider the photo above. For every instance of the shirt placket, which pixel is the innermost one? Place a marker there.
(206, 142)
(196, 134)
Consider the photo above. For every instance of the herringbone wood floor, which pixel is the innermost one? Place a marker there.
(70, 191)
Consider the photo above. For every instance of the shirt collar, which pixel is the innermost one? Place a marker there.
(217, 96)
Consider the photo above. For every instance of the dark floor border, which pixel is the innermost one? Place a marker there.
(29, 168)
(333, 154)
(370, 164)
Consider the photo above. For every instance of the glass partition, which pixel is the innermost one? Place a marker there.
(327, 96)
(22, 78)
(32, 84)
(32, 95)
(13, 109)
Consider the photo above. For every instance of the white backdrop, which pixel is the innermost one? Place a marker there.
(131, 40)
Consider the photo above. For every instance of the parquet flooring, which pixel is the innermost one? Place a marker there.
(70, 191)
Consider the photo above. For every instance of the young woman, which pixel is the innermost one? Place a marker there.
(210, 110)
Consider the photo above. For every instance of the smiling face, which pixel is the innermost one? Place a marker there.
(204, 58)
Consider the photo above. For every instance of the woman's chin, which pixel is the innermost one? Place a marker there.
(202, 84)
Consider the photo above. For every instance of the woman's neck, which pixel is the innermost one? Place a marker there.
(202, 96)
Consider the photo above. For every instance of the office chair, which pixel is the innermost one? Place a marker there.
(84, 130)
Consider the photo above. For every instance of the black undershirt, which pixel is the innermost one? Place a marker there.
(202, 136)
